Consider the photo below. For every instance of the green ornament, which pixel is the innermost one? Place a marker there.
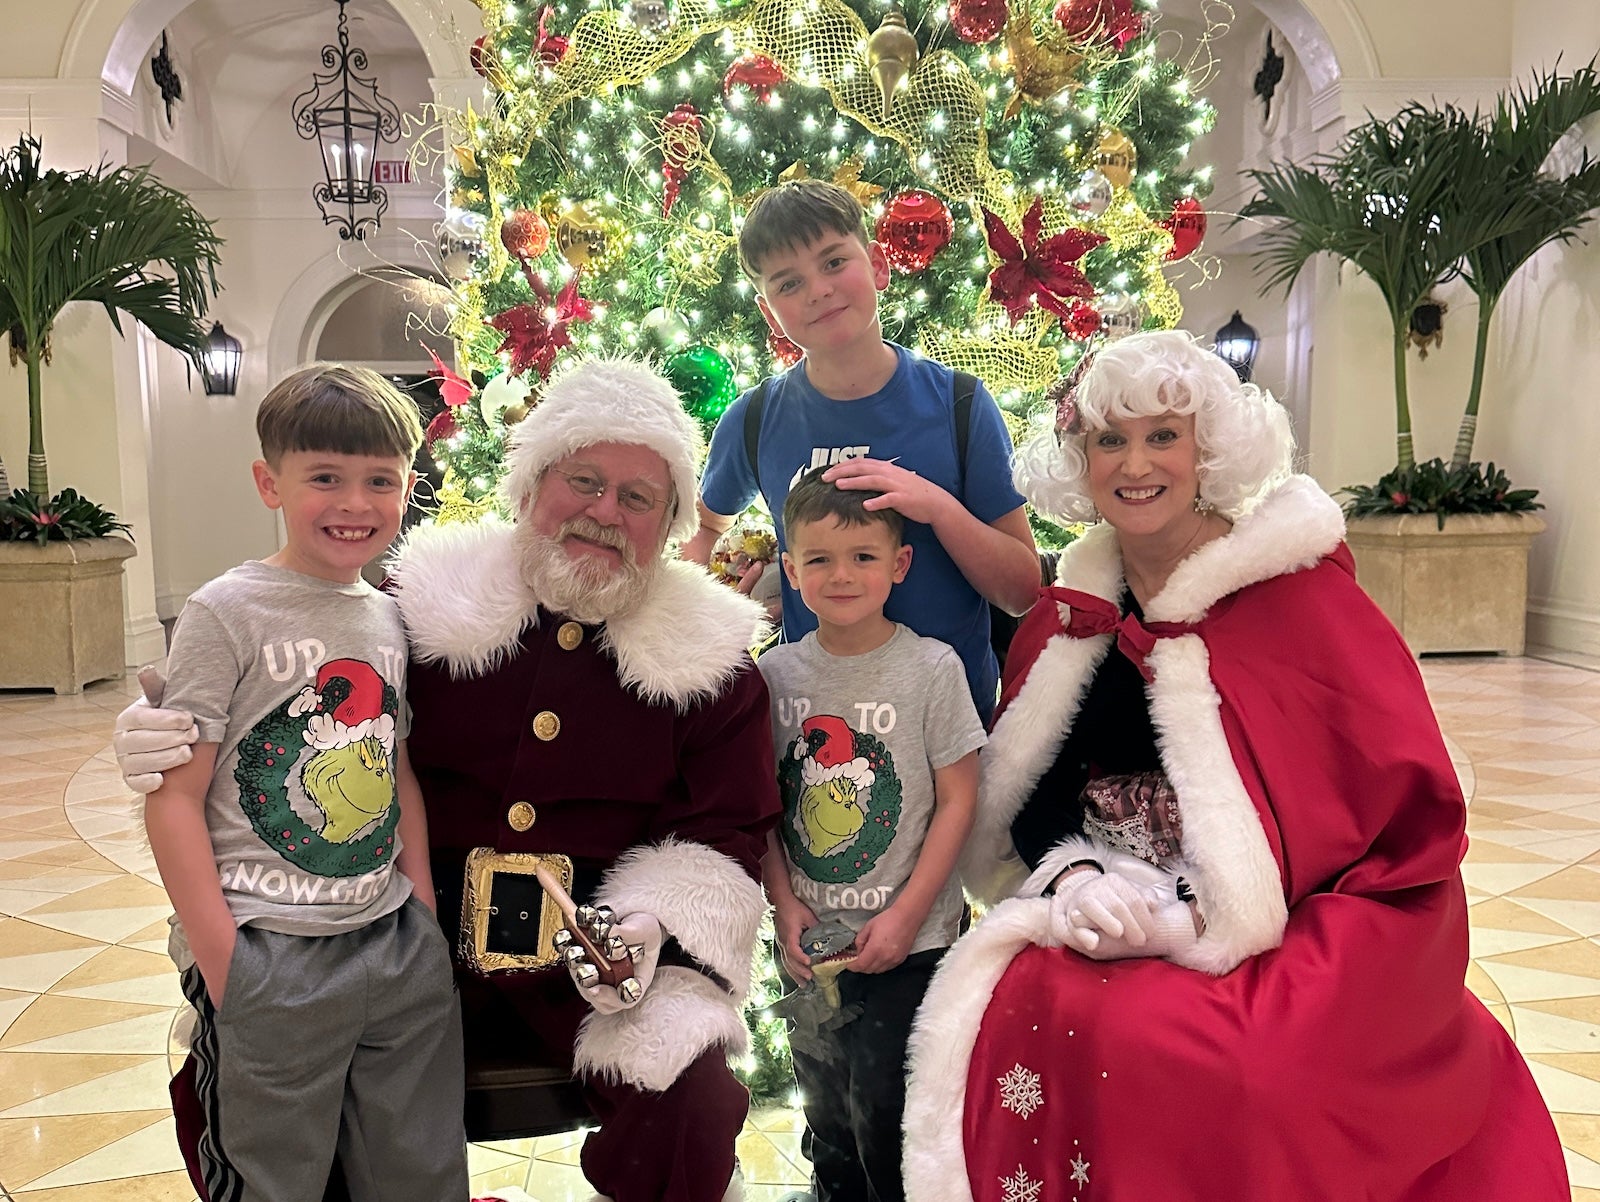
(664, 331)
(704, 379)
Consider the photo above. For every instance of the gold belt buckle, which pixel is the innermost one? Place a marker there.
(489, 924)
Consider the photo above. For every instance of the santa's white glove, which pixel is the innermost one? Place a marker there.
(149, 740)
(1102, 903)
(1169, 929)
(641, 934)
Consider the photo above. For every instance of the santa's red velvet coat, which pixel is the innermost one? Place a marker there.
(1317, 1042)
(658, 781)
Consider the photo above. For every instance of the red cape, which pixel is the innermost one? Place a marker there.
(1331, 1051)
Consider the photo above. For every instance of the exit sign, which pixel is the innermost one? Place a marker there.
(391, 171)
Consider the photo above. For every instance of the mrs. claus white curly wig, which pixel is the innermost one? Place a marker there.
(1243, 434)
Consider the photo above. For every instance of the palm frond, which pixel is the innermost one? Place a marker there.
(114, 236)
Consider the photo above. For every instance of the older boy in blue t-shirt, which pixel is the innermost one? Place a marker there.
(885, 417)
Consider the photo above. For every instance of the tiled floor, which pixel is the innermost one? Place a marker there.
(91, 1017)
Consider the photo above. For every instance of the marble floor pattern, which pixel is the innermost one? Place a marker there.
(91, 1018)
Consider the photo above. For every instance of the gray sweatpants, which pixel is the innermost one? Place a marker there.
(348, 1041)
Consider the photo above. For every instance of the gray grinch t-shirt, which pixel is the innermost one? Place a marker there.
(858, 739)
(301, 683)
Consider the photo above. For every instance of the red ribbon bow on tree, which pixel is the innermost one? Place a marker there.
(534, 338)
(1089, 615)
(1038, 270)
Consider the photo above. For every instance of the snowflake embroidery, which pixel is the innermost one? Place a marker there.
(1020, 1188)
(1020, 1092)
(1080, 1171)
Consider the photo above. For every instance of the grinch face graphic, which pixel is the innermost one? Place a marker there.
(841, 800)
(336, 815)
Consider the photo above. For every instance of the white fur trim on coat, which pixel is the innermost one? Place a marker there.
(466, 605)
(704, 898)
(1230, 864)
(714, 909)
(608, 400)
(942, 1039)
(681, 1014)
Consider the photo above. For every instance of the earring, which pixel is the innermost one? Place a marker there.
(1202, 506)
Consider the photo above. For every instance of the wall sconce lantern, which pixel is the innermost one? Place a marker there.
(1237, 344)
(219, 362)
(348, 117)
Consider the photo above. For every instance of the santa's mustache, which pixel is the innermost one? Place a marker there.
(592, 531)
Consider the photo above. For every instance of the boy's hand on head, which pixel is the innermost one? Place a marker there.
(789, 920)
(884, 941)
(915, 499)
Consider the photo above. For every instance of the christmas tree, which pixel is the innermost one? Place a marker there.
(1023, 163)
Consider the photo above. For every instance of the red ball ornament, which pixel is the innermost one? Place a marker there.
(756, 72)
(915, 227)
(1187, 225)
(1092, 20)
(525, 234)
(783, 350)
(475, 56)
(978, 21)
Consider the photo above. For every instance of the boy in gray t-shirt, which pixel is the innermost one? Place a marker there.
(293, 844)
(877, 740)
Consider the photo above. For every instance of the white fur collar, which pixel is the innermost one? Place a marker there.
(466, 605)
(1292, 528)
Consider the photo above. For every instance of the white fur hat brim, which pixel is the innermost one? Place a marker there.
(608, 400)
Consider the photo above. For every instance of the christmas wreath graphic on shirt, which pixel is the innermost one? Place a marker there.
(316, 775)
(841, 800)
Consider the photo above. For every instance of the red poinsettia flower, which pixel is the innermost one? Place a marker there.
(533, 336)
(441, 427)
(454, 389)
(1038, 270)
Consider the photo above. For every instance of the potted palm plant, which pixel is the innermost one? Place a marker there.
(1430, 194)
(119, 238)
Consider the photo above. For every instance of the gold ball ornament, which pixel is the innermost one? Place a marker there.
(1116, 157)
(588, 235)
(891, 55)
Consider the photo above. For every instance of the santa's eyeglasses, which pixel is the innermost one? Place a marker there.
(637, 497)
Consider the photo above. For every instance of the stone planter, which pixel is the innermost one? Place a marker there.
(61, 613)
(1463, 588)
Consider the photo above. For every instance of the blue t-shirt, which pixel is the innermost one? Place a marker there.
(912, 421)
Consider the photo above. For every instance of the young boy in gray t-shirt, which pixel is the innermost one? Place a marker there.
(293, 844)
(877, 740)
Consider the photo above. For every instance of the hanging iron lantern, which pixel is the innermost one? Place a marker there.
(347, 116)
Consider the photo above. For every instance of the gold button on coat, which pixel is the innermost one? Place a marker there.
(520, 816)
(569, 636)
(546, 725)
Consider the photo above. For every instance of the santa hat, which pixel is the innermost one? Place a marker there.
(607, 400)
(827, 750)
(360, 715)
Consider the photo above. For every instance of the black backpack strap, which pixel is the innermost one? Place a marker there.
(966, 386)
(757, 401)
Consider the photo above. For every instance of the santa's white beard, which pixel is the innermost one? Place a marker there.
(586, 589)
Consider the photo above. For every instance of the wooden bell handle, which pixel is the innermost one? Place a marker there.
(612, 972)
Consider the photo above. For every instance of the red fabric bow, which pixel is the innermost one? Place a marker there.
(533, 338)
(1089, 615)
(1038, 269)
